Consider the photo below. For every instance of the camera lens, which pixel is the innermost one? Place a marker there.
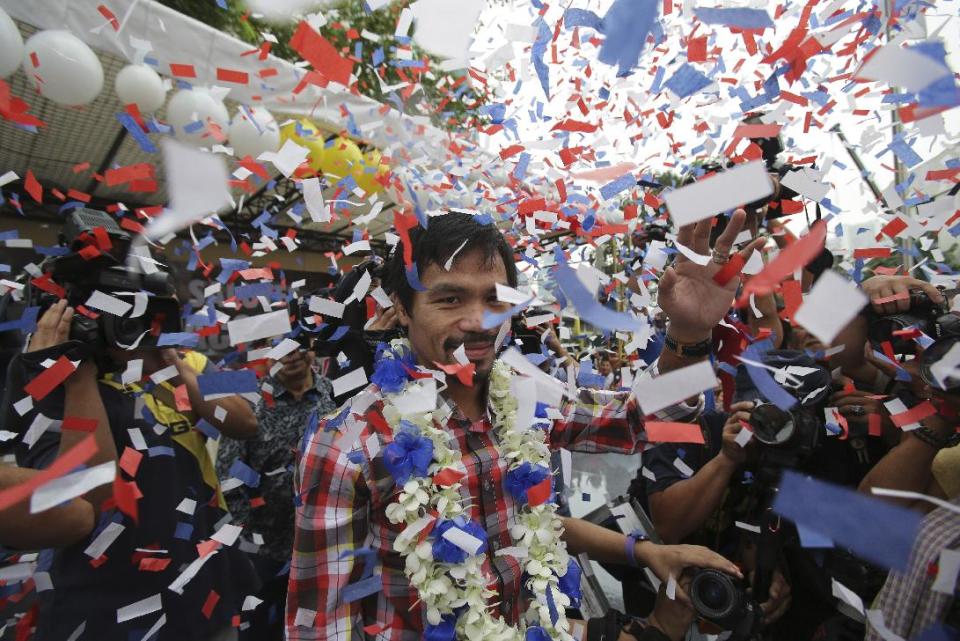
(771, 425)
(714, 594)
(945, 380)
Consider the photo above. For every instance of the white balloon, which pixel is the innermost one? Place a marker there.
(67, 71)
(11, 45)
(189, 106)
(253, 138)
(141, 85)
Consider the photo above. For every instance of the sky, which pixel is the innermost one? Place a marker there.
(502, 43)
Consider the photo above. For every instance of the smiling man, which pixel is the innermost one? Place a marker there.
(359, 468)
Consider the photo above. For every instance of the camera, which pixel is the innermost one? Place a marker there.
(94, 261)
(787, 437)
(934, 320)
(724, 601)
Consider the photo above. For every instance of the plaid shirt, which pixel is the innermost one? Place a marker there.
(343, 495)
(908, 603)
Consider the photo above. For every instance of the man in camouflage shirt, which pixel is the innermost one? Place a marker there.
(258, 479)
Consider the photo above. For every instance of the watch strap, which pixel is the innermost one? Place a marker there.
(688, 350)
(630, 546)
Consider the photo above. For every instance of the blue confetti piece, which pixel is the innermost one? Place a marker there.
(588, 307)
(207, 430)
(903, 151)
(495, 320)
(614, 187)
(734, 17)
(160, 450)
(539, 49)
(413, 278)
(361, 589)
(227, 382)
(183, 531)
(880, 532)
(193, 127)
(686, 81)
(763, 381)
(184, 339)
(813, 539)
(520, 171)
(582, 18)
(130, 124)
(242, 471)
(626, 26)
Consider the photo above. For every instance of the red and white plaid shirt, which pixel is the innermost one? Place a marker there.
(343, 499)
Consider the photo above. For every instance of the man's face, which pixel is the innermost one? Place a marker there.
(603, 367)
(294, 367)
(615, 361)
(450, 312)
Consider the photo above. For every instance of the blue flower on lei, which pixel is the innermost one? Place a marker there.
(570, 582)
(443, 631)
(409, 455)
(536, 633)
(390, 370)
(522, 478)
(446, 552)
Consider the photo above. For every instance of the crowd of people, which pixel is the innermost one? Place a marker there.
(426, 501)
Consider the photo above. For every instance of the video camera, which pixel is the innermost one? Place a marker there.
(95, 261)
(924, 316)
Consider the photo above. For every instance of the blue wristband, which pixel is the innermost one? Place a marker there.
(630, 546)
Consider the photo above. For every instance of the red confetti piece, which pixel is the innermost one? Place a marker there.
(77, 424)
(889, 299)
(447, 476)
(464, 373)
(797, 255)
(321, 55)
(130, 461)
(212, 599)
(32, 186)
(539, 493)
(729, 271)
(47, 380)
(78, 455)
(109, 15)
(575, 125)
(871, 252)
(83, 166)
(232, 75)
(914, 414)
(182, 70)
(893, 228)
(667, 432)
(153, 564)
(697, 49)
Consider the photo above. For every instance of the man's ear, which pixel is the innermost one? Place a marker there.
(402, 316)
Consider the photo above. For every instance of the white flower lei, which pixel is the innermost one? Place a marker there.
(536, 530)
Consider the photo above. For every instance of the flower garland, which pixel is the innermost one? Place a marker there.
(443, 549)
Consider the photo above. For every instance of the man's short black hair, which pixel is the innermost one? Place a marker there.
(437, 243)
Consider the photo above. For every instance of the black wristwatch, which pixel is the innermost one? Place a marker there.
(688, 350)
(935, 441)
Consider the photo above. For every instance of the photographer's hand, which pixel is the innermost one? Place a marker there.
(240, 422)
(780, 598)
(671, 560)
(730, 449)
(386, 320)
(880, 287)
(53, 327)
(671, 616)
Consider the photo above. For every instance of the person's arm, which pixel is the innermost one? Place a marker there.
(607, 546)
(908, 465)
(684, 506)
(81, 396)
(59, 526)
(240, 422)
(333, 508)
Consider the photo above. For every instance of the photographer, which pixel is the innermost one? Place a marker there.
(165, 501)
(292, 398)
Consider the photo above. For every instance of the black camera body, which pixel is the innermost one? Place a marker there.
(933, 319)
(106, 272)
(787, 438)
(724, 601)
